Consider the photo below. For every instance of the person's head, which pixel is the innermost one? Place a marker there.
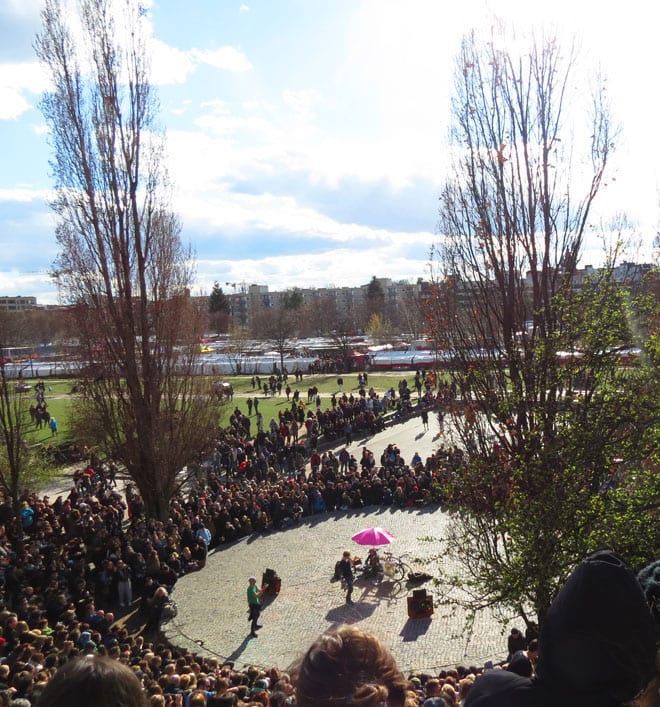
(348, 666)
(448, 694)
(533, 648)
(93, 680)
(346, 554)
(197, 699)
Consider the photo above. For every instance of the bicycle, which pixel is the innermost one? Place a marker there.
(395, 567)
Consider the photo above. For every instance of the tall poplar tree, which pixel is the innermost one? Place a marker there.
(544, 408)
(122, 264)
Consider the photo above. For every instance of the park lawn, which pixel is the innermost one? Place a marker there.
(326, 383)
(58, 408)
(59, 398)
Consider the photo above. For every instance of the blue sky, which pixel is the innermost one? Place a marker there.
(307, 138)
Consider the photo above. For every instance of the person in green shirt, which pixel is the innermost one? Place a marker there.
(254, 605)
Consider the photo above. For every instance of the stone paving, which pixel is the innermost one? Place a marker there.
(212, 608)
(212, 605)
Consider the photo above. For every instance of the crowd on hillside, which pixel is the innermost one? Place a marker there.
(72, 565)
(598, 646)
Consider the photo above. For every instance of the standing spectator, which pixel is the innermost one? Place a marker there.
(254, 605)
(346, 572)
(124, 585)
(515, 643)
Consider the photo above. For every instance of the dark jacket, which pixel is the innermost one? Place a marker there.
(346, 569)
(597, 646)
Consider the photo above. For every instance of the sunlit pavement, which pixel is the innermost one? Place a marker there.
(212, 605)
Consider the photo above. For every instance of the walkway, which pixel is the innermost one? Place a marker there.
(212, 604)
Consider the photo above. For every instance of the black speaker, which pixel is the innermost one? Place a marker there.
(419, 593)
(271, 578)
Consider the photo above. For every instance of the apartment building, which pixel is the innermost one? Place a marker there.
(17, 304)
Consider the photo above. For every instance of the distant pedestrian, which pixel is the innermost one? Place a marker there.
(254, 605)
(425, 419)
(249, 406)
(256, 405)
(348, 433)
(53, 427)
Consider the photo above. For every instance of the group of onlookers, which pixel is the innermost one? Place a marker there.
(71, 566)
(597, 647)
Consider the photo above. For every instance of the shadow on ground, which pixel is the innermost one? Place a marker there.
(414, 628)
(347, 614)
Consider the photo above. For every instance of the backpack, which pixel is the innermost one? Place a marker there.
(204, 534)
(337, 575)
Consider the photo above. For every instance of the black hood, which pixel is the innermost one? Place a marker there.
(598, 642)
(501, 688)
(597, 646)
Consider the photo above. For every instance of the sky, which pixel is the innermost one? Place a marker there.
(307, 139)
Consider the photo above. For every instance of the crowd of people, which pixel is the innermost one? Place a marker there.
(597, 647)
(70, 567)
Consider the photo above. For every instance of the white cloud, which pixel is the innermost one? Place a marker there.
(41, 129)
(303, 101)
(340, 267)
(168, 64)
(12, 103)
(15, 81)
(244, 8)
(24, 194)
(227, 58)
(219, 210)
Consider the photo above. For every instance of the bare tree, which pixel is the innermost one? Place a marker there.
(279, 323)
(121, 261)
(539, 432)
(14, 422)
(237, 345)
(411, 310)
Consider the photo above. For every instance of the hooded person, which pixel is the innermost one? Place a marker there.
(649, 578)
(597, 646)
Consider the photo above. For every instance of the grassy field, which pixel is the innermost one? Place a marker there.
(59, 398)
(327, 385)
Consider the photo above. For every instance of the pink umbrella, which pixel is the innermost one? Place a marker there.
(373, 536)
